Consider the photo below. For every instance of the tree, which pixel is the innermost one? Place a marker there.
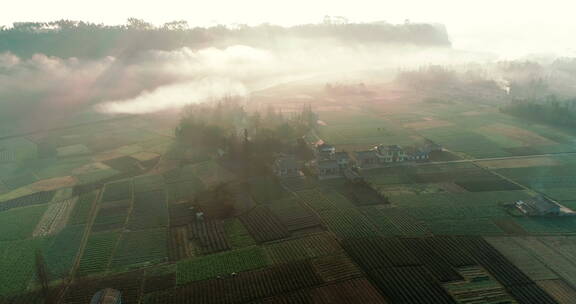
(303, 151)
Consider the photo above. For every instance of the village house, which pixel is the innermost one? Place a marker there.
(329, 163)
(382, 155)
(343, 159)
(325, 151)
(367, 159)
(287, 166)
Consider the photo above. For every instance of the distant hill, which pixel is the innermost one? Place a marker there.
(86, 40)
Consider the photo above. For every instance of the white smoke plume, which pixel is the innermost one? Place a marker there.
(153, 81)
(175, 96)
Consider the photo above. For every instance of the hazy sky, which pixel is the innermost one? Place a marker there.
(510, 27)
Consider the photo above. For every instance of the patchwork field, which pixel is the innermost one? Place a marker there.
(113, 209)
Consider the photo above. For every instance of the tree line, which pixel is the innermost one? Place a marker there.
(67, 38)
(249, 140)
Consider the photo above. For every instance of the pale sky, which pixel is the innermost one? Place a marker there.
(502, 26)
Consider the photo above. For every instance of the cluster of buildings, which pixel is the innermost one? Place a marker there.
(329, 163)
(539, 206)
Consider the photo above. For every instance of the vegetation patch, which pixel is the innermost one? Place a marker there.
(209, 235)
(321, 202)
(117, 191)
(111, 215)
(521, 258)
(292, 214)
(149, 211)
(98, 252)
(37, 198)
(303, 248)
(496, 184)
(61, 254)
(82, 208)
(237, 235)
(263, 225)
(222, 264)
(348, 223)
(20, 223)
(138, 248)
(17, 267)
(148, 183)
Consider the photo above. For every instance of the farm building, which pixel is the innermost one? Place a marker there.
(367, 159)
(387, 154)
(287, 166)
(107, 296)
(343, 159)
(325, 151)
(538, 207)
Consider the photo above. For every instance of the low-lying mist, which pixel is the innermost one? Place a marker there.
(153, 80)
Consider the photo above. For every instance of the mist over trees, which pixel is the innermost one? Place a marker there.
(66, 38)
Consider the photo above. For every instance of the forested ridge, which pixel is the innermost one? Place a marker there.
(67, 38)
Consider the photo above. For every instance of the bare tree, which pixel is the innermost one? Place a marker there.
(42, 275)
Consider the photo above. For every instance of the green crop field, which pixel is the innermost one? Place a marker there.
(220, 264)
(82, 208)
(183, 190)
(348, 223)
(148, 183)
(117, 191)
(264, 190)
(17, 267)
(61, 254)
(144, 247)
(321, 202)
(237, 235)
(520, 257)
(150, 210)
(98, 252)
(19, 223)
(303, 248)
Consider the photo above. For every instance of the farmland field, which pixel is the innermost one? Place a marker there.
(17, 268)
(115, 204)
(303, 248)
(144, 247)
(117, 191)
(82, 208)
(221, 264)
(263, 225)
(150, 210)
(98, 252)
(237, 234)
(20, 223)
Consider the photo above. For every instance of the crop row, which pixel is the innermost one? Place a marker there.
(209, 235)
(143, 247)
(307, 247)
(98, 252)
(263, 225)
(149, 211)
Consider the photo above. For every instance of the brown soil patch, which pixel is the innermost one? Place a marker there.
(92, 167)
(54, 183)
(106, 156)
(145, 156)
